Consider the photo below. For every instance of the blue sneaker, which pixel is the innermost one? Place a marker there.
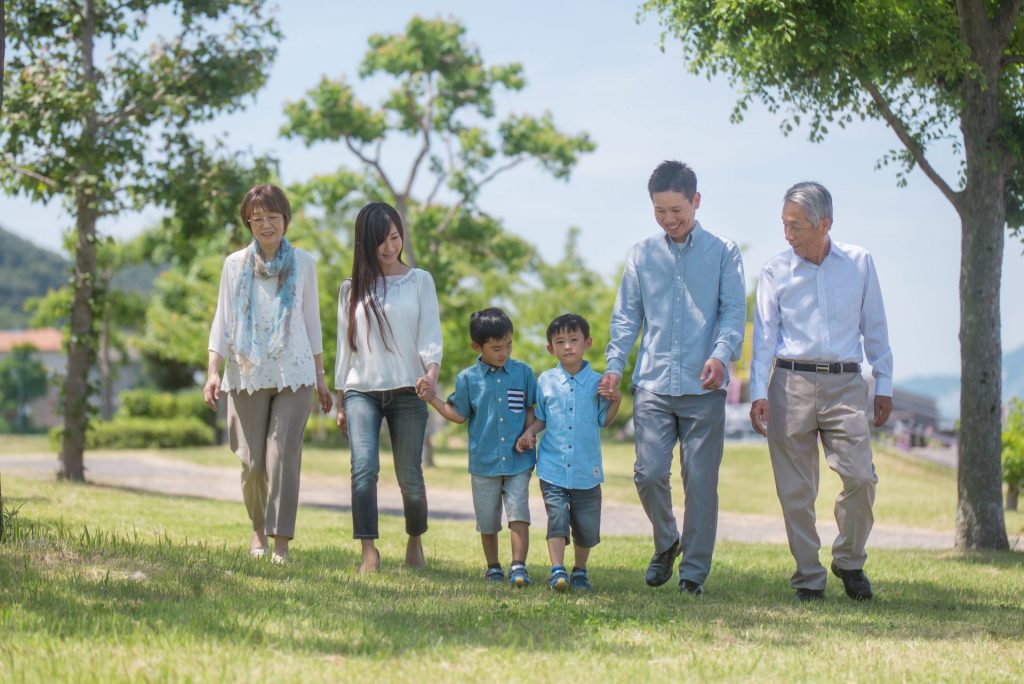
(559, 578)
(579, 579)
(494, 575)
(518, 576)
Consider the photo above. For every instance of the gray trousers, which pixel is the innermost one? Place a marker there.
(265, 431)
(803, 406)
(697, 423)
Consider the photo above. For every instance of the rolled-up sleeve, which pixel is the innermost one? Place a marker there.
(627, 317)
(225, 301)
(430, 343)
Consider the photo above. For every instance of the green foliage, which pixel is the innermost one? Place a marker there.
(142, 403)
(144, 433)
(22, 379)
(1013, 445)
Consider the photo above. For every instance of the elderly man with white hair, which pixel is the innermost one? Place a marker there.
(819, 313)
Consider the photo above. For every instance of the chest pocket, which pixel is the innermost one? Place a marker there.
(516, 400)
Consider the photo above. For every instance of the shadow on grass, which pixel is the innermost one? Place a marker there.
(76, 586)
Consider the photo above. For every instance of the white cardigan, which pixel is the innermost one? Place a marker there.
(410, 306)
(294, 367)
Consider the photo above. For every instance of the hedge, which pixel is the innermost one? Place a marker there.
(142, 433)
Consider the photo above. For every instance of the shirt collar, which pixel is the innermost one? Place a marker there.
(692, 240)
(834, 252)
(488, 368)
(565, 374)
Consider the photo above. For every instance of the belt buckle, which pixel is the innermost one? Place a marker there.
(821, 368)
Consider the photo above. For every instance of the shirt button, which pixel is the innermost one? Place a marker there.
(502, 439)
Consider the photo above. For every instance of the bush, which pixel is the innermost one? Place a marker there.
(142, 433)
(1013, 452)
(149, 404)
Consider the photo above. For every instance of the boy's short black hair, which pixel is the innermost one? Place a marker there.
(489, 324)
(673, 176)
(569, 322)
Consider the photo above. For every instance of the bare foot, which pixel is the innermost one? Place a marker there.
(258, 545)
(371, 560)
(414, 554)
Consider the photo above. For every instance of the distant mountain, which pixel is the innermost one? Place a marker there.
(25, 271)
(946, 388)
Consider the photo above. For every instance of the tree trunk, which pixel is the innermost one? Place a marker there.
(3, 46)
(1012, 492)
(106, 377)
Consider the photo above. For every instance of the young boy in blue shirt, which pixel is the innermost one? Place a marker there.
(496, 395)
(569, 458)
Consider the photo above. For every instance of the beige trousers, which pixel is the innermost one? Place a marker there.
(803, 406)
(265, 431)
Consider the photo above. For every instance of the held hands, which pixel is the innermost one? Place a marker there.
(759, 416)
(712, 374)
(526, 442)
(211, 391)
(323, 394)
(608, 388)
(426, 388)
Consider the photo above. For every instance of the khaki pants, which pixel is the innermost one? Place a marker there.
(803, 406)
(265, 432)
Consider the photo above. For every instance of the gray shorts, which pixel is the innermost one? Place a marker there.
(490, 491)
(578, 510)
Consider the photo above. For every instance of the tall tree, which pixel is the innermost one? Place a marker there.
(937, 72)
(443, 92)
(81, 128)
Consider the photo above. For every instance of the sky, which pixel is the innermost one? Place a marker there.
(597, 69)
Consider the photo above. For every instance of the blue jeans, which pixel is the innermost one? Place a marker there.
(407, 422)
(578, 510)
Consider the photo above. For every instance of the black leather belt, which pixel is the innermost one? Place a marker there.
(835, 367)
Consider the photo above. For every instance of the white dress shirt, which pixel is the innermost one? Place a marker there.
(807, 312)
(414, 342)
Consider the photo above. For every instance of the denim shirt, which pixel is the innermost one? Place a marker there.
(690, 302)
(494, 402)
(570, 449)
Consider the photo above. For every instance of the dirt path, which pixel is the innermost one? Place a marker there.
(153, 473)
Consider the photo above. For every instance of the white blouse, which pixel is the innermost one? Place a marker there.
(410, 306)
(294, 368)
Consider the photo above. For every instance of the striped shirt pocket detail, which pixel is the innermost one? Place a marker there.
(516, 400)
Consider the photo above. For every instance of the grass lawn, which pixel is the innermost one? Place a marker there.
(109, 586)
(911, 493)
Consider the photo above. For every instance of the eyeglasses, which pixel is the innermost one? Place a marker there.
(268, 219)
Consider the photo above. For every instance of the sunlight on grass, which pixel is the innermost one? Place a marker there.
(105, 585)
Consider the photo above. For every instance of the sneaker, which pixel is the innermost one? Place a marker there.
(805, 594)
(660, 568)
(494, 575)
(691, 587)
(579, 579)
(559, 580)
(855, 582)
(518, 576)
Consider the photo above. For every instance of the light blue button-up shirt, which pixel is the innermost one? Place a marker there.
(689, 300)
(570, 449)
(494, 402)
(809, 312)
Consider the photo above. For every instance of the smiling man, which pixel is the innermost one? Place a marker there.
(683, 288)
(815, 303)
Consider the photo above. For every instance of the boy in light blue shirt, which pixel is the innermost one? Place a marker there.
(569, 459)
(496, 395)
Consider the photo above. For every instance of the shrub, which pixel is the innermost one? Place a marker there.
(142, 433)
(1013, 452)
(144, 403)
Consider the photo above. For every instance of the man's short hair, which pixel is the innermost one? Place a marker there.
(567, 323)
(673, 176)
(815, 200)
(489, 324)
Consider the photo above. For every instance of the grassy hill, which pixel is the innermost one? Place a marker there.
(28, 271)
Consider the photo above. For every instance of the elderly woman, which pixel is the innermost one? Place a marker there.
(389, 345)
(267, 328)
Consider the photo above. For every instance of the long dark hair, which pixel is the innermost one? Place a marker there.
(372, 227)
